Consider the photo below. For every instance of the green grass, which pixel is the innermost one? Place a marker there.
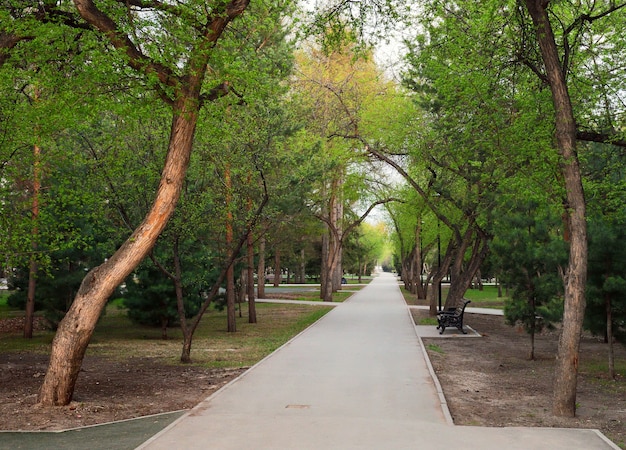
(487, 298)
(434, 348)
(599, 369)
(308, 293)
(116, 337)
(427, 321)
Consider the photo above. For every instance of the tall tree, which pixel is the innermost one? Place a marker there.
(556, 68)
(178, 73)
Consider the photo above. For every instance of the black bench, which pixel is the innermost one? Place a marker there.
(452, 317)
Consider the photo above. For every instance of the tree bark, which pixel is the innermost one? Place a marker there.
(324, 286)
(278, 271)
(462, 272)
(609, 335)
(231, 312)
(177, 278)
(75, 330)
(566, 369)
(29, 316)
(260, 291)
(250, 284)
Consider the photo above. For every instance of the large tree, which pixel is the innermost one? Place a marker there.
(556, 67)
(170, 48)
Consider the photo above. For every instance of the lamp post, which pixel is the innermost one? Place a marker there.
(439, 259)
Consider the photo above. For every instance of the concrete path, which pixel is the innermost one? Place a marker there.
(357, 379)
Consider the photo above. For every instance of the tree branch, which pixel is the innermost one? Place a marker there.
(602, 138)
(136, 59)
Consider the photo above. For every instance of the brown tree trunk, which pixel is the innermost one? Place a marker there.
(75, 330)
(609, 335)
(336, 235)
(277, 269)
(324, 286)
(177, 278)
(250, 283)
(29, 316)
(566, 369)
(231, 312)
(302, 276)
(260, 291)
(462, 272)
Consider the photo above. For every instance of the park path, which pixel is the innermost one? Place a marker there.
(357, 379)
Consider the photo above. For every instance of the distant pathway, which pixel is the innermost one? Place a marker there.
(357, 379)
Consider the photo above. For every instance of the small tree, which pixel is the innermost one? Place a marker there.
(606, 288)
(151, 299)
(530, 254)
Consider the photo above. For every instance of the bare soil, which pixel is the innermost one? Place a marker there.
(490, 381)
(487, 381)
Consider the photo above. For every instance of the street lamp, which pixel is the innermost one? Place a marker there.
(439, 258)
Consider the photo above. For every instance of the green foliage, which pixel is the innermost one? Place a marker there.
(606, 281)
(435, 348)
(72, 238)
(364, 248)
(530, 253)
(150, 298)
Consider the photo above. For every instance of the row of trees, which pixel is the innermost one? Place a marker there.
(523, 105)
(168, 123)
(188, 129)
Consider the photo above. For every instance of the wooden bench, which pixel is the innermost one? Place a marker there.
(452, 317)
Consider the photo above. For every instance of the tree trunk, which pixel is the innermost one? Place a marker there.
(164, 323)
(75, 330)
(566, 369)
(533, 328)
(336, 235)
(29, 316)
(302, 276)
(180, 304)
(277, 269)
(250, 281)
(463, 273)
(231, 312)
(260, 290)
(324, 266)
(609, 335)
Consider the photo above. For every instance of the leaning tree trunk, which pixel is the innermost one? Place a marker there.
(75, 330)
(464, 272)
(566, 369)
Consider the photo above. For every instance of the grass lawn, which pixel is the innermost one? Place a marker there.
(487, 298)
(116, 337)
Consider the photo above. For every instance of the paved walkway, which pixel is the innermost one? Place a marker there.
(357, 379)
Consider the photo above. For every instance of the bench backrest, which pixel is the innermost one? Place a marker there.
(460, 309)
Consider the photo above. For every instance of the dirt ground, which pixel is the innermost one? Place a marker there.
(490, 381)
(487, 381)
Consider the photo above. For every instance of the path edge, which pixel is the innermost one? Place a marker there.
(442, 399)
